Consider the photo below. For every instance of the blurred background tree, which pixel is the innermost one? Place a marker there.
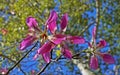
(82, 13)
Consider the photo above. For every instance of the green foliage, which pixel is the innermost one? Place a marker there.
(75, 9)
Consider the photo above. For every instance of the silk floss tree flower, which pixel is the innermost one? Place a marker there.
(58, 38)
(3, 71)
(32, 36)
(107, 58)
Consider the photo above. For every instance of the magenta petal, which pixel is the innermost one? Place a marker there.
(57, 39)
(27, 42)
(67, 53)
(31, 22)
(76, 39)
(107, 58)
(102, 43)
(53, 17)
(46, 48)
(46, 57)
(51, 22)
(52, 27)
(93, 62)
(3, 71)
(64, 22)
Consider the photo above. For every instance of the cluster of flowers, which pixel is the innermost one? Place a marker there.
(60, 38)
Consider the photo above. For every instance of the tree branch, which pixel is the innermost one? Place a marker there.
(97, 15)
(86, 27)
(82, 68)
(43, 69)
(7, 58)
(21, 59)
(12, 61)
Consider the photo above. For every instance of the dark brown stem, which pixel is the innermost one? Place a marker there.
(43, 69)
(21, 59)
(7, 58)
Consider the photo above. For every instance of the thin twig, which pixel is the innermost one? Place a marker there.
(86, 27)
(97, 16)
(7, 58)
(15, 44)
(43, 69)
(4, 56)
(22, 71)
(21, 59)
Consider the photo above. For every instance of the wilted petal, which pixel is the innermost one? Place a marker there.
(102, 43)
(107, 58)
(94, 34)
(93, 62)
(52, 27)
(27, 42)
(31, 22)
(46, 48)
(57, 39)
(53, 17)
(64, 22)
(67, 53)
(76, 39)
(46, 57)
(3, 71)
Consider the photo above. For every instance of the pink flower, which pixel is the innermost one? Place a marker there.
(27, 42)
(31, 22)
(3, 71)
(58, 38)
(93, 62)
(107, 58)
(64, 22)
